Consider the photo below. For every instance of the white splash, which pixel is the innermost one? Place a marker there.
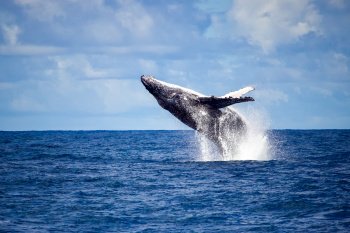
(254, 145)
(207, 150)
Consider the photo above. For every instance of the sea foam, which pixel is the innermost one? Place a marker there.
(254, 145)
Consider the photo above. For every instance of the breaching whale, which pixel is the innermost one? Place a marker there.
(209, 115)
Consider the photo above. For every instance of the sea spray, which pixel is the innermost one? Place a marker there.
(208, 151)
(254, 145)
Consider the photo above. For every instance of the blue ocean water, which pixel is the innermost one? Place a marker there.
(157, 181)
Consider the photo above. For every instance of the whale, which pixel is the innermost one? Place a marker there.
(211, 116)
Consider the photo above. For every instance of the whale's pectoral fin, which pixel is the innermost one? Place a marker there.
(238, 93)
(221, 102)
(228, 99)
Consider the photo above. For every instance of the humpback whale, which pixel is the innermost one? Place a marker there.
(209, 115)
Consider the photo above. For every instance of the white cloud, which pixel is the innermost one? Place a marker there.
(103, 31)
(43, 10)
(67, 89)
(148, 66)
(135, 18)
(174, 7)
(151, 49)
(334, 66)
(28, 50)
(10, 34)
(62, 90)
(6, 85)
(93, 73)
(78, 66)
(176, 73)
(119, 27)
(270, 96)
(322, 91)
(213, 6)
(340, 64)
(327, 122)
(14, 48)
(271, 23)
(25, 103)
(337, 3)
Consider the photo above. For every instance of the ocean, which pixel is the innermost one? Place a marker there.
(173, 181)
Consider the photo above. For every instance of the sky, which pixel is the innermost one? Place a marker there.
(76, 64)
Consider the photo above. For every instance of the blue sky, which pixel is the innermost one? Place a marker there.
(76, 64)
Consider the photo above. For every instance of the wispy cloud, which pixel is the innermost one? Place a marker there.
(271, 97)
(12, 47)
(10, 34)
(41, 9)
(28, 50)
(337, 3)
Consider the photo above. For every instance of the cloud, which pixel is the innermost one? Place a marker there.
(62, 90)
(103, 31)
(271, 97)
(327, 122)
(24, 103)
(28, 50)
(119, 26)
(324, 92)
(80, 85)
(332, 67)
(211, 6)
(268, 24)
(79, 67)
(149, 66)
(273, 22)
(10, 34)
(134, 18)
(339, 65)
(340, 4)
(43, 10)
(12, 46)
(145, 49)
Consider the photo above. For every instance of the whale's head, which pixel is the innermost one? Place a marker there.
(169, 95)
(177, 100)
